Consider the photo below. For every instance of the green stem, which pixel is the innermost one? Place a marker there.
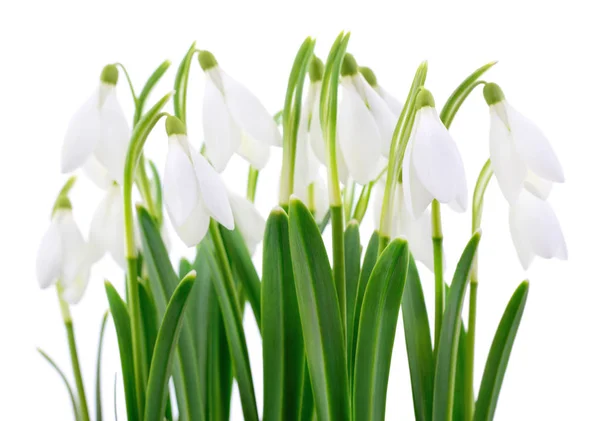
(252, 182)
(130, 83)
(438, 266)
(66, 314)
(144, 187)
(339, 269)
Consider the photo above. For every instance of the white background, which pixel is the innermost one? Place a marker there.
(51, 57)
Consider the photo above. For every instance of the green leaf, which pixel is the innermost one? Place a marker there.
(445, 372)
(150, 84)
(120, 317)
(460, 411)
(495, 366)
(163, 280)
(184, 267)
(241, 262)
(181, 82)
(352, 251)
(419, 348)
(164, 350)
(65, 381)
(283, 345)
(99, 369)
(377, 330)
(461, 93)
(158, 194)
(320, 316)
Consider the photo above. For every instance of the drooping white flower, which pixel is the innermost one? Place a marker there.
(432, 167)
(98, 135)
(248, 221)
(416, 231)
(193, 190)
(234, 120)
(521, 155)
(365, 125)
(107, 231)
(319, 204)
(63, 255)
(535, 229)
(393, 104)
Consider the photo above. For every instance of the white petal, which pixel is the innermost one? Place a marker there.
(377, 201)
(75, 283)
(385, 119)
(49, 257)
(316, 135)
(76, 262)
(537, 185)
(222, 136)
(97, 173)
(306, 169)
(416, 196)
(194, 228)
(255, 152)
(111, 148)
(436, 159)
(359, 137)
(249, 113)
(417, 232)
(394, 105)
(509, 168)
(248, 220)
(180, 184)
(107, 232)
(213, 193)
(83, 134)
(534, 147)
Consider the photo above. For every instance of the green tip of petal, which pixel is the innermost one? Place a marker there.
(110, 74)
(492, 93)
(315, 69)
(349, 66)
(424, 99)
(174, 126)
(62, 203)
(207, 60)
(369, 75)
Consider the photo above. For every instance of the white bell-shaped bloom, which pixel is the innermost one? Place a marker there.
(535, 229)
(307, 164)
(393, 104)
(416, 231)
(319, 203)
(63, 255)
(248, 221)
(432, 166)
(107, 231)
(193, 190)
(521, 155)
(365, 125)
(98, 135)
(234, 120)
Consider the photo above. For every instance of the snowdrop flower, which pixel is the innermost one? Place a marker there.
(535, 229)
(393, 104)
(432, 166)
(234, 119)
(365, 125)
(193, 190)
(416, 231)
(320, 204)
(248, 221)
(520, 154)
(63, 254)
(98, 134)
(107, 231)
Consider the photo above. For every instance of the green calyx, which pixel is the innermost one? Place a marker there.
(349, 66)
(369, 75)
(424, 99)
(207, 60)
(492, 93)
(110, 74)
(316, 69)
(174, 126)
(62, 203)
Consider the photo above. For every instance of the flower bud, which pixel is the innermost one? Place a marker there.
(424, 99)
(110, 74)
(174, 126)
(492, 93)
(349, 66)
(207, 60)
(369, 75)
(315, 69)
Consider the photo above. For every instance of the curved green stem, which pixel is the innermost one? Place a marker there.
(252, 182)
(181, 84)
(131, 88)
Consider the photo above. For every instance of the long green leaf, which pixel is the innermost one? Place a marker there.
(445, 372)
(164, 350)
(99, 369)
(352, 251)
(419, 348)
(377, 330)
(460, 411)
(65, 381)
(181, 82)
(120, 316)
(497, 361)
(320, 316)
(150, 84)
(241, 262)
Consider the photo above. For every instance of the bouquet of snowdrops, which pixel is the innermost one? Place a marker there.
(327, 313)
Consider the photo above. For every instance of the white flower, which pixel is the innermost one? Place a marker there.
(63, 255)
(98, 134)
(234, 119)
(432, 166)
(193, 190)
(107, 231)
(521, 155)
(365, 125)
(393, 104)
(416, 231)
(535, 229)
(320, 199)
(248, 221)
